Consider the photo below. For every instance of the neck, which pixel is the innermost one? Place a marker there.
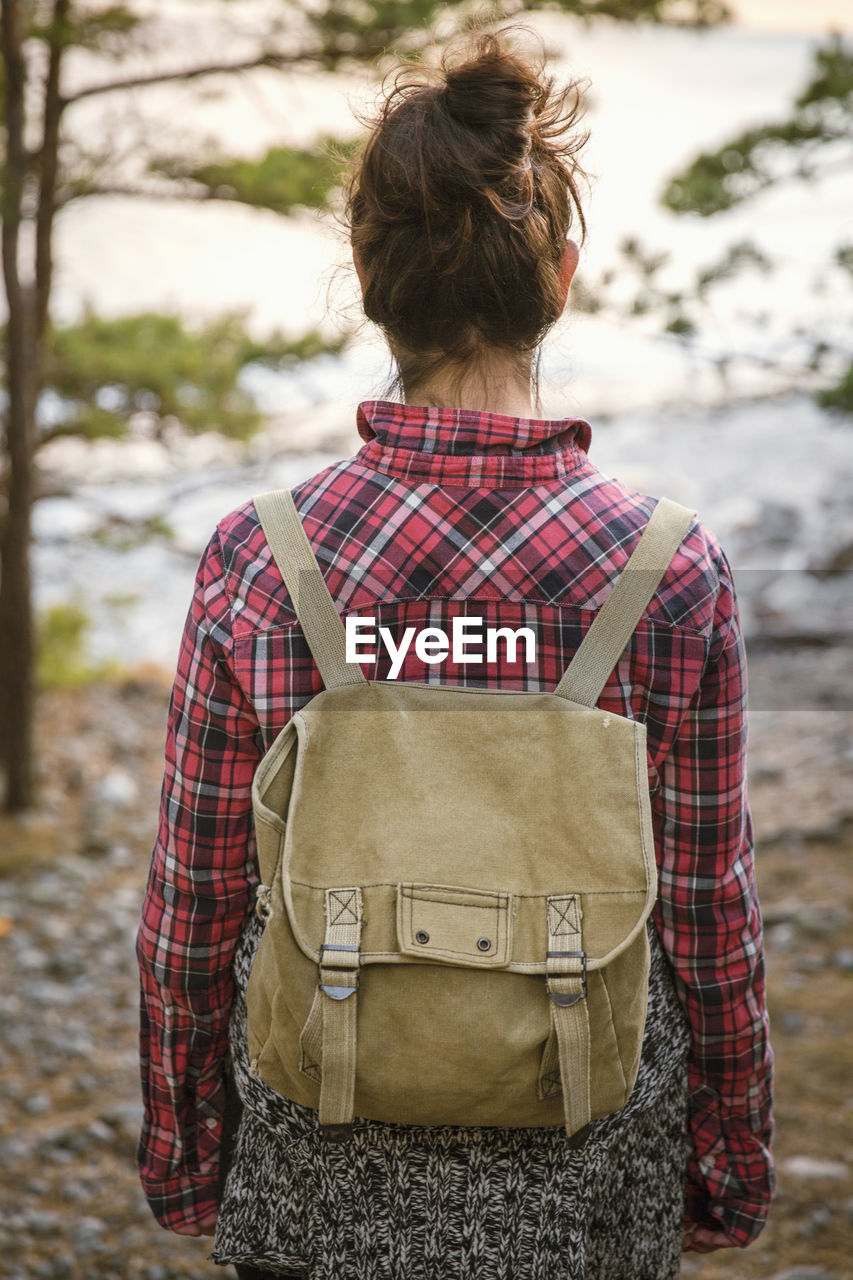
(495, 385)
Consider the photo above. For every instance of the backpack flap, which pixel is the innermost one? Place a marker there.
(504, 800)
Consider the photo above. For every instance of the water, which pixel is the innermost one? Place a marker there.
(773, 480)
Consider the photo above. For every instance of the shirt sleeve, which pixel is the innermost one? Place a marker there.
(203, 870)
(709, 921)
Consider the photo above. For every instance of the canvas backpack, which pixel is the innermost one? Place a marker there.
(455, 881)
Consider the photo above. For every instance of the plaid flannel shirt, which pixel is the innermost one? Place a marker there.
(440, 513)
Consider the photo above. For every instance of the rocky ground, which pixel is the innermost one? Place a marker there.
(71, 880)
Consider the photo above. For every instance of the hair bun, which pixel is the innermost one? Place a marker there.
(495, 91)
(461, 202)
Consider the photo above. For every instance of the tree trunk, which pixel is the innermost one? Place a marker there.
(17, 640)
(16, 613)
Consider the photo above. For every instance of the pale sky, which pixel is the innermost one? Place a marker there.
(794, 15)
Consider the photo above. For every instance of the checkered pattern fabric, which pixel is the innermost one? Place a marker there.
(443, 513)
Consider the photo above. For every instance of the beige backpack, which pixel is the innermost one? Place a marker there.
(456, 881)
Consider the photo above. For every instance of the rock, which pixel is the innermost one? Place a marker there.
(838, 560)
(778, 524)
(810, 963)
(36, 1105)
(77, 1192)
(809, 919)
(52, 1065)
(75, 778)
(32, 959)
(55, 1268)
(42, 1223)
(86, 1085)
(126, 1115)
(787, 606)
(51, 995)
(93, 843)
(13, 1151)
(68, 1138)
(118, 790)
(122, 856)
(99, 1132)
(817, 1222)
(809, 1167)
(86, 1233)
(65, 965)
(804, 1273)
(781, 936)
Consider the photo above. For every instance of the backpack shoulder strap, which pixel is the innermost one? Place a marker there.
(303, 578)
(615, 621)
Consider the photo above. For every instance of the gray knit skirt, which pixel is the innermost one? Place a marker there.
(400, 1202)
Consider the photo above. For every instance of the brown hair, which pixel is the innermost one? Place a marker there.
(460, 204)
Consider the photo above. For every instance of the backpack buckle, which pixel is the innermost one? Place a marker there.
(566, 998)
(345, 963)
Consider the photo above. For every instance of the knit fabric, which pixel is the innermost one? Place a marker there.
(400, 1202)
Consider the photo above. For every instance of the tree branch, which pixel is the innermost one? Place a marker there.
(49, 159)
(276, 60)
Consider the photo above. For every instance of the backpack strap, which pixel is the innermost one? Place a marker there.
(565, 983)
(314, 606)
(339, 973)
(614, 624)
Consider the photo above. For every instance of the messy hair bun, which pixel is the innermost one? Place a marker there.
(461, 201)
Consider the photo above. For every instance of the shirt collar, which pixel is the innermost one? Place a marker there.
(465, 446)
(466, 431)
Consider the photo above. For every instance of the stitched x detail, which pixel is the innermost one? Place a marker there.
(311, 1068)
(551, 1084)
(560, 925)
(345, 909)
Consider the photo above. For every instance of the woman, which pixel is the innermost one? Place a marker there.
(459, 211)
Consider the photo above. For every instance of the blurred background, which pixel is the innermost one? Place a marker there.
(187, 290)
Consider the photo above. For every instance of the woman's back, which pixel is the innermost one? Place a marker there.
(444, 508)
(448, 512)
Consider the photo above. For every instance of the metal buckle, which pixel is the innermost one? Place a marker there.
(566, 1000)
(337, 993)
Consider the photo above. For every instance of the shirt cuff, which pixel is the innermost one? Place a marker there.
(187, 1196)
(730, 1173)
(184, 1200)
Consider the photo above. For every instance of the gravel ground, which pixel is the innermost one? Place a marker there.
(71, 880)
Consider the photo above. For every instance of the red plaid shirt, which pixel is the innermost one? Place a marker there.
(440, 508)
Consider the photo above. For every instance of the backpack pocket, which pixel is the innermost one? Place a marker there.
(470, 927)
